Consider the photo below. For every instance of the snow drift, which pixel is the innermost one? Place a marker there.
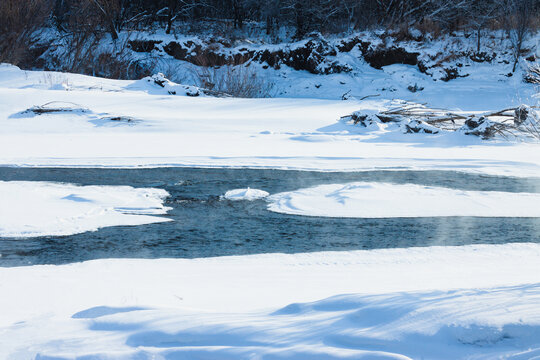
(29, 209)
(245, 194)
(469, 302)
(382, 200)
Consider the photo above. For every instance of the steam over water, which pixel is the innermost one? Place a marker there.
(206, 225)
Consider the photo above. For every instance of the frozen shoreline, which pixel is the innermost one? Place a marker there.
(278, 133)
(34, 208)
(319, 164)
(385, 200)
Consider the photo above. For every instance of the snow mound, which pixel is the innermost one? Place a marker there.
(245, 194)
(381, 200)
(30, 209)
(159, 84)
(170, 87)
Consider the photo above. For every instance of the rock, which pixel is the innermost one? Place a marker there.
(159, 79)
(380, 57)
(414, 88)
(451, 74)
(143, 45)
(359, 118)
(349, 44)
(481, 126)
(207, 54)
(311, 56)
(419, 126)
(521, 114)
(482, 57)
(474, 122)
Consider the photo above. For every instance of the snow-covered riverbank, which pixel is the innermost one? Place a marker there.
(130, 124)
(476, 302)
(30, 208)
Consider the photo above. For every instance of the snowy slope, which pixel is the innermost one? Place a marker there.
(487, 70)
(471, 302)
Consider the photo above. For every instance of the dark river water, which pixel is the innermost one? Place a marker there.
(206, 226)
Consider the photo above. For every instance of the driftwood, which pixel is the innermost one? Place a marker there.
(510, 122)
(532, 75)
(69, 107)
(56, 106)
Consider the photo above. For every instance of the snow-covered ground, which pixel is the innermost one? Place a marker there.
(470, 302)
(381, 200)
(30, 208)
(132, 123)
(433, 303)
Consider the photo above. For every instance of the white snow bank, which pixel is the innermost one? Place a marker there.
(303, 134)
(478, 301)
(30, 208)
(382, 200)
(158, 84)
(245, 194)
(451, 325)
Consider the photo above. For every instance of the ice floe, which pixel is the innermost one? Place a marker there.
(384, 200)
(31, 208)
(245, 194)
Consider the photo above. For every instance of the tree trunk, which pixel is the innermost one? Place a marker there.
(170, 15)
(478, 34)
(113, 31)
(268, 25)
(238, 14)
(300, 19)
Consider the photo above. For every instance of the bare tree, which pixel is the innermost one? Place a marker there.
(115, 14)
(271, 14)
(180, 8)
(518, 22)
(479, 14)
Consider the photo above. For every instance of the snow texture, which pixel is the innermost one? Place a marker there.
(382, 200)
(31, 208)
(139, 124)
(470, 302)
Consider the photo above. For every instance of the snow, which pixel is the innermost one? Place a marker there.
(32, 208)
(444, 51)
(470, 302)
(245, 194)
(286, 133)
(383, 200)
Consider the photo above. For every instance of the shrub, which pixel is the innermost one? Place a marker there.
(239, 81)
